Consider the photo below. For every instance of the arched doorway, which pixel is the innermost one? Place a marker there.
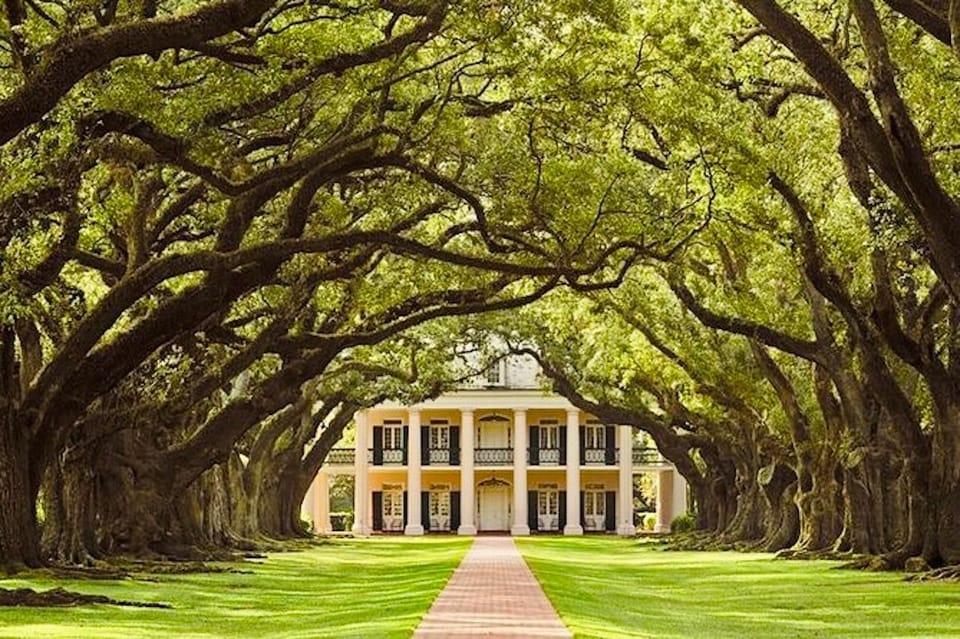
(493, 505)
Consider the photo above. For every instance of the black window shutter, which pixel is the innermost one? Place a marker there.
(563, 510)
(425, 445)
(454, 510)
(454, 445)
(610, 454)
(406, 509)
(406, 446)
(425, 509)
(377, 510)
(532, 520)
(534, 445)
(583, 445)
(377, 446)
(563, 445)
(611, 511)
(583, 509)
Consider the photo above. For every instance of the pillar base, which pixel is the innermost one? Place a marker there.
(360, 530)
(627, 530)
(661, 528)
(413, 530)
(520, 531)
(467, 530)
(573, 529)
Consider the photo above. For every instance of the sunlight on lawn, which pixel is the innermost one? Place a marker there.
(610, 588)
(350, 588)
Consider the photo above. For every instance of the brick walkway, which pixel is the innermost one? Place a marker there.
(492, 594)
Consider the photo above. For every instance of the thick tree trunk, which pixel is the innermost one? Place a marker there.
(750, 513)
(945, 484)
(862, 522)
(779, 485)
(19, 533)
(290, 497)
(820, 505)
(70, 529)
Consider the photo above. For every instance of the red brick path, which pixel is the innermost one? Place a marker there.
(492, 594)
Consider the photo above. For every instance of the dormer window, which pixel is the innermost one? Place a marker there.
(495, 375)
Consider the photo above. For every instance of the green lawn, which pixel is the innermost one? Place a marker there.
(615, 588)
(374, 588)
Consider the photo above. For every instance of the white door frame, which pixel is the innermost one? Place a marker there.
(485, 490)
(595, 500)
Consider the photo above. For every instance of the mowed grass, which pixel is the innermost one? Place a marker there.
(615, 588)
(374, 588)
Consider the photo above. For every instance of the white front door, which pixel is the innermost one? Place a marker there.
(594, 509)
(494, 506)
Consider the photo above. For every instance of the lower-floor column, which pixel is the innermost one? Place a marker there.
(467, 480)
(362, 503)
(679, 495)
(414, 514)
(664, 500)
(520, 525)
(625, 525)
(573, 526)
(321, 504)
(307, 507)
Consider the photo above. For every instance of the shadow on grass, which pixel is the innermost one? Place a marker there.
(614, 588)
(349, 588)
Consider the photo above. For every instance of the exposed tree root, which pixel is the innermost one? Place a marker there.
(150, 567)
(827, 555)
(58, 597)
(947, 573)
(101, 571)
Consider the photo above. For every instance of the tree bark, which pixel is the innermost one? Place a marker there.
(19, 533)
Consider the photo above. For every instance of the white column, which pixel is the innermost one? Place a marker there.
(414, 522)
(625, 525)
(664, 501)
(520, 526)
(321, 503)
(307, 507)
(467, 482)
(573, 526)
(679, 495)
(361, 492)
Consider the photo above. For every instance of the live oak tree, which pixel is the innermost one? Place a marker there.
(217, 220)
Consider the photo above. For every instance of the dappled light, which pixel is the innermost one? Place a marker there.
(378, 588)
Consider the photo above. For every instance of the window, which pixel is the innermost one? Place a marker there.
(392, 507)
(594, 503)
(548, 507)
(549, 436)
(440, 507)
(549, 502)
(392, 436)
(594, 507)
(439, 436)
(493, 376)
(594, 436)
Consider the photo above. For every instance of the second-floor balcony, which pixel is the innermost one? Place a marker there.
(340, 457)
(548, 456)
(493, 456)
(649, 457)
(441, 456)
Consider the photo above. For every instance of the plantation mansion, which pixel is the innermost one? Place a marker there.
(497, 455)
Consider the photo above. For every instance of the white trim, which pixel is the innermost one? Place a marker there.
(499, 399)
